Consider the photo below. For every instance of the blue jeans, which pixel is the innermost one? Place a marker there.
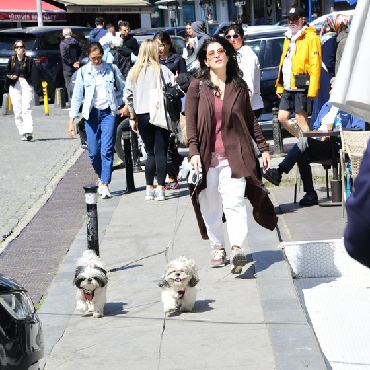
(101, 134)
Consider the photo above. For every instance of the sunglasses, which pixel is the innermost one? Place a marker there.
(235, 36)
(213, 53)
(19, 47)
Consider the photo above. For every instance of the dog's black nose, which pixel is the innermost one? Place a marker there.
(89, 280)
(177, 274)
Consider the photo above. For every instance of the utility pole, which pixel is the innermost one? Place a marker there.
(39, 13)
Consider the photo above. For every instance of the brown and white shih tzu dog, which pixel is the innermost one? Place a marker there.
(178, 284)
(91, 280)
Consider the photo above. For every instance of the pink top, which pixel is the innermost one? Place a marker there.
(217, 146)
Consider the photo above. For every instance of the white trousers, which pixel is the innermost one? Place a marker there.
(224, 194)
(22, 95)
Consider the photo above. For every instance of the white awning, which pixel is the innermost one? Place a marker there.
(108, 6)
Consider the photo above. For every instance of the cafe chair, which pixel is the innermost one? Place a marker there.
(354, 144)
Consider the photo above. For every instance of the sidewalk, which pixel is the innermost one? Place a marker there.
(254, 320)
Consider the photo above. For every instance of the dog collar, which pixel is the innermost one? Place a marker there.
(181, 293)
(88, 295)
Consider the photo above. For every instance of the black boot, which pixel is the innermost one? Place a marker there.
(309, 199)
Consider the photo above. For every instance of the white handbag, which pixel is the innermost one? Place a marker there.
(157, 110)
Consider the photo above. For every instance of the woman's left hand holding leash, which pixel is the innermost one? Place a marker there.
(71, 128)
(266, 160)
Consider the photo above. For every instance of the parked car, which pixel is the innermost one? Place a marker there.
(180, 31)
(221, 28)
(21, 337)
(267, 43)
(42, 44)
(178, 42)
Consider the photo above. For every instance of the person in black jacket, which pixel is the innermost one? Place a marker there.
(128, 40)
(21, 76)
(70, 51)
(176, 64)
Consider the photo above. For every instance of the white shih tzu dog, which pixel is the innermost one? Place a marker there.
(178, 283)
(91, 281)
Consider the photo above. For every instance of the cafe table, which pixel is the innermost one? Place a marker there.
(335, 184)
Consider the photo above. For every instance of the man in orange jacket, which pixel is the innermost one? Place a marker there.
(299, 70)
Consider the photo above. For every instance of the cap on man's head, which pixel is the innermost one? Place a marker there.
(296, 12)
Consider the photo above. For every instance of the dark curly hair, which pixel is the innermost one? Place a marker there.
(233, 72)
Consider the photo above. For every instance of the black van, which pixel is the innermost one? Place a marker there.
(42, 44)
(21, 337)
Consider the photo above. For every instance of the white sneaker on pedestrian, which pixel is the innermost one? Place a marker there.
(105, 193)
(149, 194)
(100, 186)
(159, 194)
(238, 259)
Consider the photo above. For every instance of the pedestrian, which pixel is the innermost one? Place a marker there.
(329, 44)
(300, 65)
(250, 66)
(310, 149)
(342, 22)
(98, 32)
(70, 51)
(176, 64)
(21, 80)
(220, 126)
(129, 41)
(121, 56)
(199, 29)
(357, 231)
(142, 78)
(95, 88)
(108, 37)
(191, 42)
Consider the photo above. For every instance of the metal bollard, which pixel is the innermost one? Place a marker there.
(135, 152)
(7, 107)
(130, 182)
(276, 131)
(59, 98)
(46, 98)
(92, 217)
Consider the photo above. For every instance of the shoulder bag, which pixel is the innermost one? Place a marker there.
(172, 98)
(157, 111)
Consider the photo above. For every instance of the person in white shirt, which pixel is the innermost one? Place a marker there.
(249, 64)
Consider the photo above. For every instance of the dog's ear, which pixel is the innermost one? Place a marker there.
(193, 281)
(163, 283)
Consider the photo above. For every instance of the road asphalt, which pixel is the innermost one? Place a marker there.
(257, 320)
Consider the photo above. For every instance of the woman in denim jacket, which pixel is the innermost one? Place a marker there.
(95, 87)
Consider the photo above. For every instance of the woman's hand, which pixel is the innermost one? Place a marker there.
(71, 128)
(133, 124)
(124, 111)
(266, 160)
(195, 162)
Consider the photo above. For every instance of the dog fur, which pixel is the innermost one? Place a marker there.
(91, 280)
(178, 283)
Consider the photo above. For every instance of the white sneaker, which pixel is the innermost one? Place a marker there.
(105, 193)
(100, 186)
(149, 194)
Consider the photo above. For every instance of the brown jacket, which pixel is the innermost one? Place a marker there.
(239, 126)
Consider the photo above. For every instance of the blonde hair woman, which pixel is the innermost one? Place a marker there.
(142, 78)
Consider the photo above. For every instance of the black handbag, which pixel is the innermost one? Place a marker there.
(302, 81)
(172, 99)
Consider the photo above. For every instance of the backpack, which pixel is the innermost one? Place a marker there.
(122, 62)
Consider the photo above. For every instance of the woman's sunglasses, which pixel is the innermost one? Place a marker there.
(235, 36)
(212, 53)
(19, 47)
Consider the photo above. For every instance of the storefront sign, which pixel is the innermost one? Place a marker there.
(31, 17)
(97, 9)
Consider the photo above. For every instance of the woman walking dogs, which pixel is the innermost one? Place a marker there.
(142, 78)
(95, 85)
(220, 126)
(21, 76)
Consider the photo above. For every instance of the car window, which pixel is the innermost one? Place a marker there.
(178, 44)
(81, 36)
(50, 40)
(7, 40)
(273, 50)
